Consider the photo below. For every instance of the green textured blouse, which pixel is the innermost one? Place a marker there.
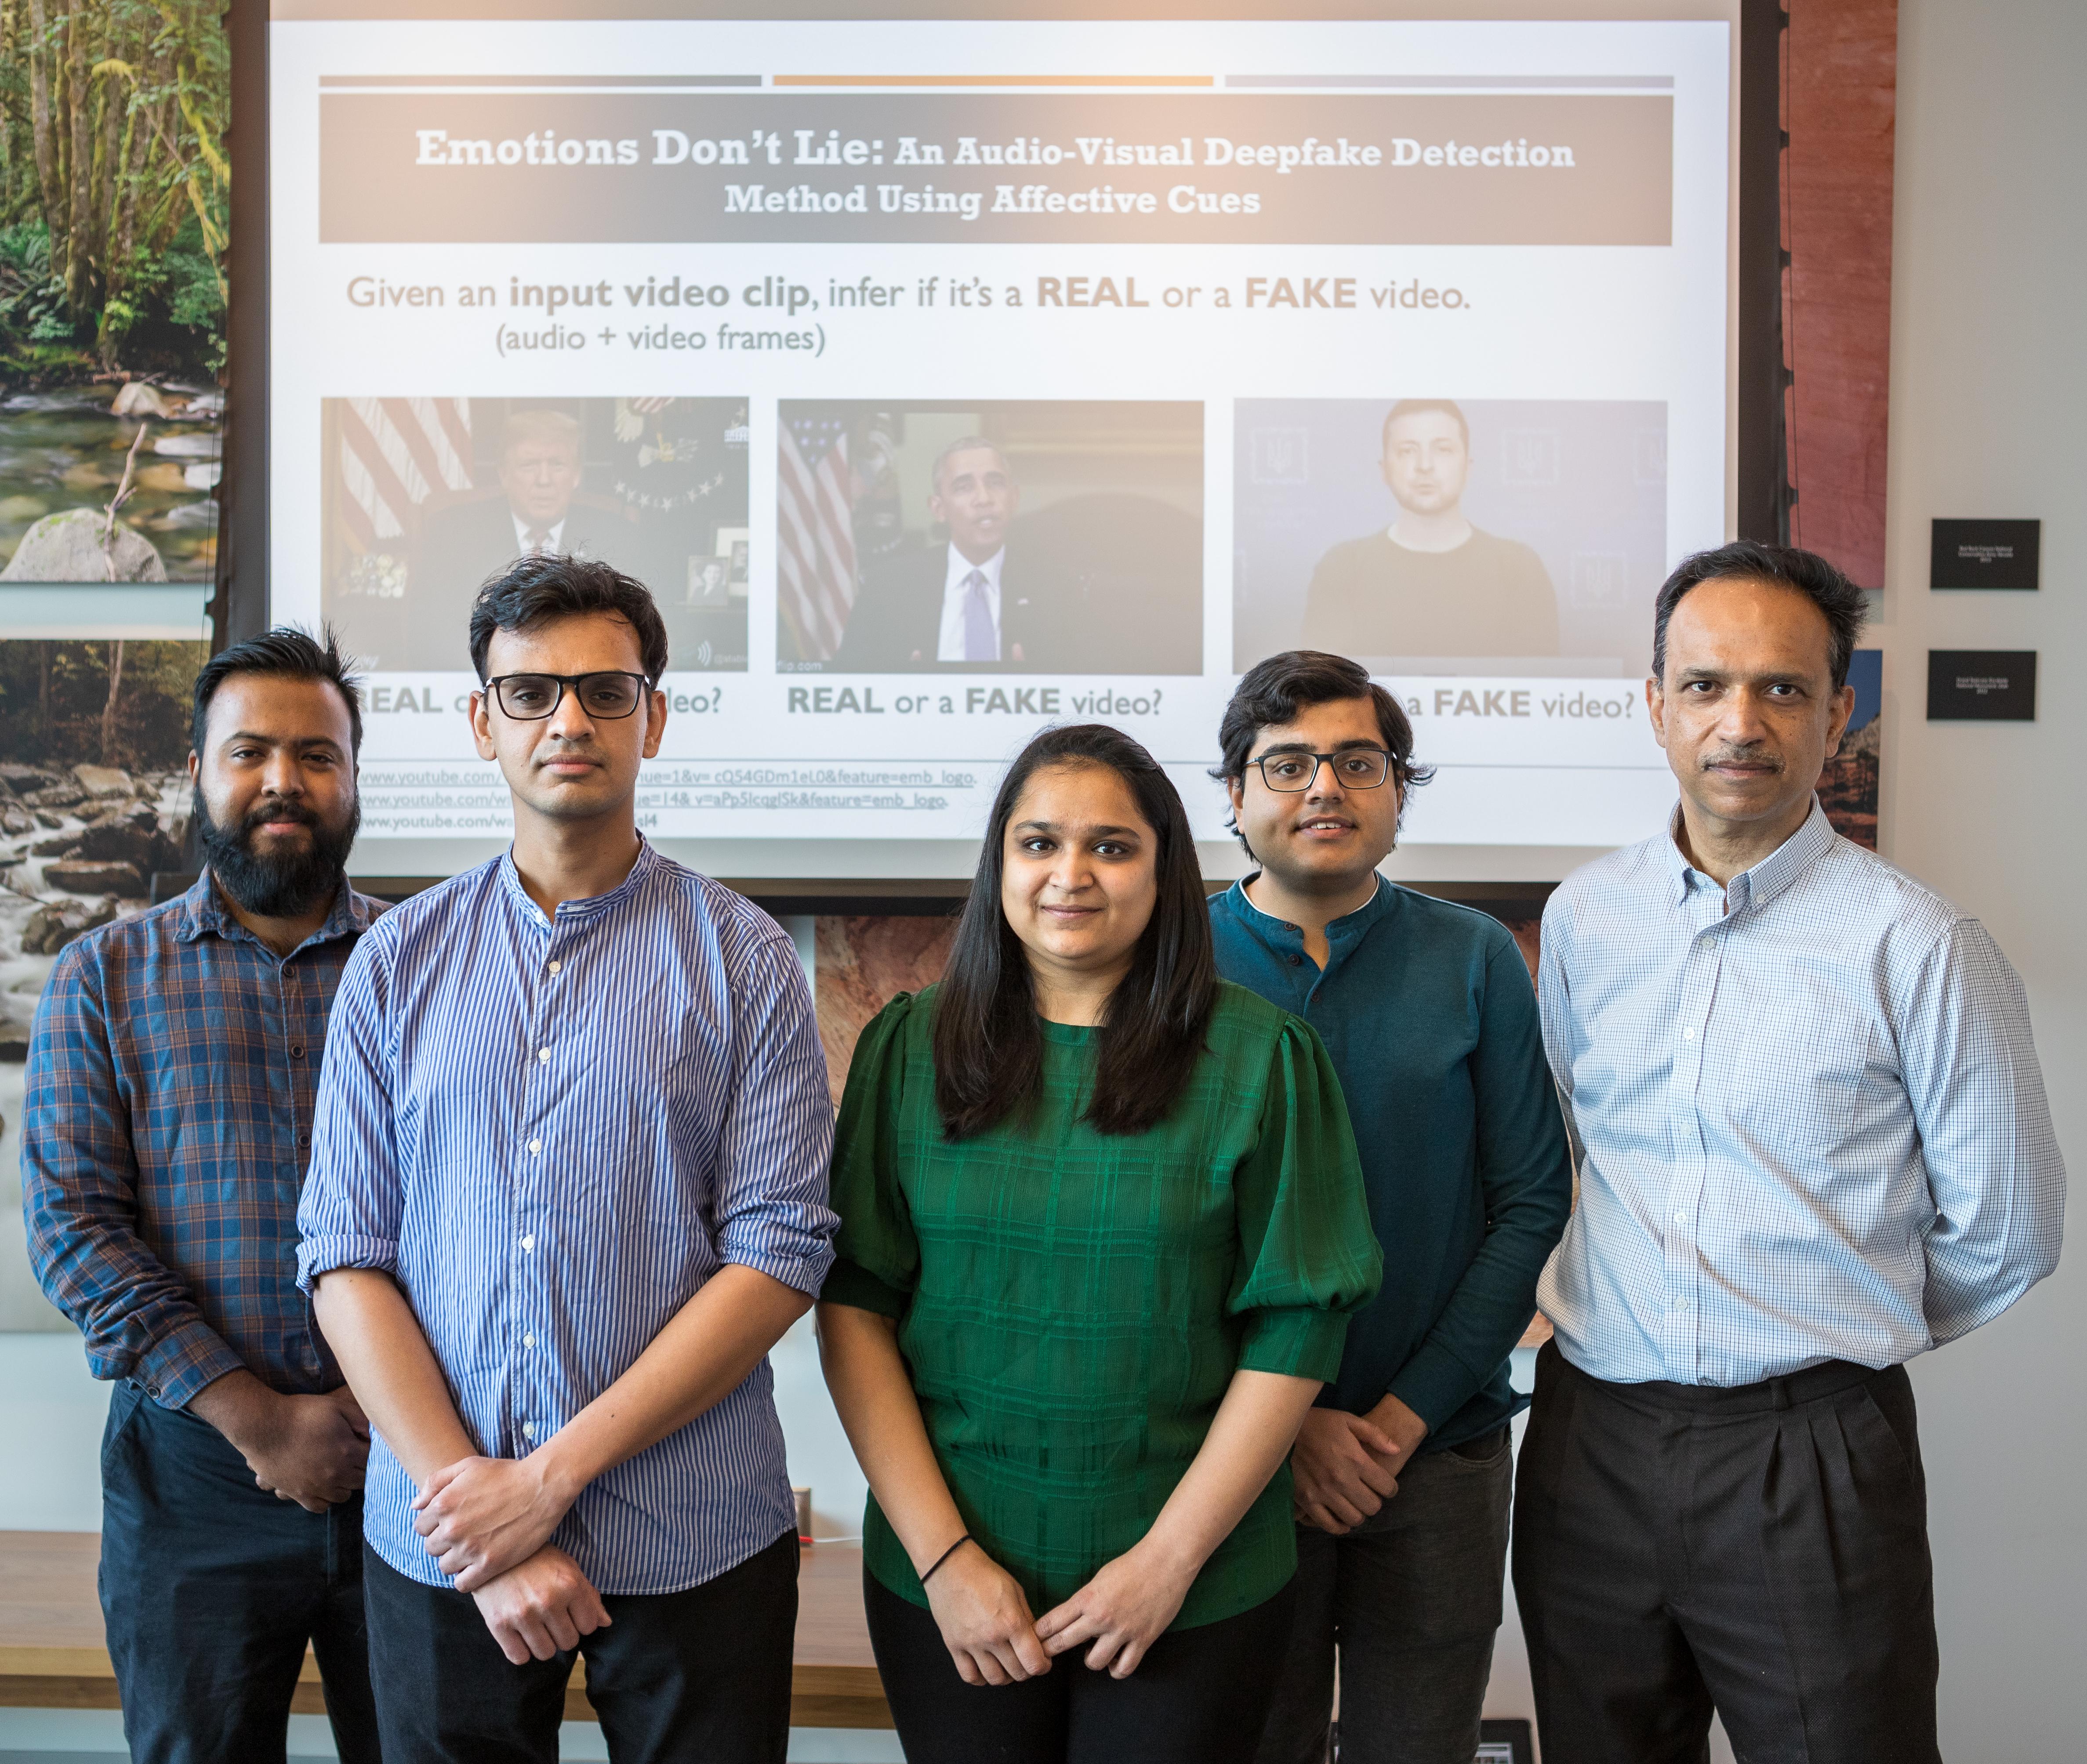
(1072, 1305)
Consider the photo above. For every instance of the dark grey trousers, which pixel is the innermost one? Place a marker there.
(1763, 1550)
(1410, 1600)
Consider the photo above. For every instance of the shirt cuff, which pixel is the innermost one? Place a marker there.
(322, 1256)
(1297, 1343)
(803, 1272)
(1435, 1384)
(851, 1284)
(179, 1363)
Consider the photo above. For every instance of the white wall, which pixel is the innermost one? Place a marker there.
(1988, 396)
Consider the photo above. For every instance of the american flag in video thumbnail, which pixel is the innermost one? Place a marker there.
(815, 491)
(394, 452)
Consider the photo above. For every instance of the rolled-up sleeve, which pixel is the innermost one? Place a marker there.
(354, 1198)
(79, 1202)
(779, 1136)
(879, 1250)
(1994, 1169)
(1308, 1258)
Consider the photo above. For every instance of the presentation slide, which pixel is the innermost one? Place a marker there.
(946, 379)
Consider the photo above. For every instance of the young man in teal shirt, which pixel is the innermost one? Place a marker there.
(1403, 1471)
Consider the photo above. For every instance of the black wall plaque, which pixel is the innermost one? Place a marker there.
(1984, 554)
(1982, 685)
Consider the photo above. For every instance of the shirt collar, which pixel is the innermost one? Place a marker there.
(510, 879)
(1348, 929)
(1759, 885)
(961, 566)
(553, 534)
(203, 910)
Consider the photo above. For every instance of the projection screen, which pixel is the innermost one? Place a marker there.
(945, 377)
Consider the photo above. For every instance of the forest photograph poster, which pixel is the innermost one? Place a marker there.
(114, 200)
(114, 197)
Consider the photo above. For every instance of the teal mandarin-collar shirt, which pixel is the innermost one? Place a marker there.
(1427, 1010)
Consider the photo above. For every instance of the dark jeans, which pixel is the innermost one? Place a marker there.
(1762, 1550)
(1412, 1600)
(210, 1590)
(695, 1677)
(1199, 1696)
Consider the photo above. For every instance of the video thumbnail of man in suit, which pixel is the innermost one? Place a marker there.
(1031, 538)
(426, 498)
(1440, 536)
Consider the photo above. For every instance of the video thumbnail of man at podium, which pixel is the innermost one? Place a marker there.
(427, 498)
(1027, 538)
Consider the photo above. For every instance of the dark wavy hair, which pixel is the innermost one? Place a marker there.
(1840, 602)
(989, 1049)
(1271, 693)
(533, 590)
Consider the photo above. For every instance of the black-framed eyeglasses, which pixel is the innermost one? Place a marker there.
(531, 697)
(1355, 769)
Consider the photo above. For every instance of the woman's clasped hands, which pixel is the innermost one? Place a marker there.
(986, 1625)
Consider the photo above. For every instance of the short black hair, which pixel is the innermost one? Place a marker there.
(1414, 408)
(547, 585)
(1272, 692)
(288, 652)
(1804, 572)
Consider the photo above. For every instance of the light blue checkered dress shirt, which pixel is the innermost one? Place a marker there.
(1811, 1122)
(551, 1133)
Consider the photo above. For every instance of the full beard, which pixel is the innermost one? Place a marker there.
(278, 884)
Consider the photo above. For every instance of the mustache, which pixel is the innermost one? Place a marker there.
(1773, 762)
(275, 809)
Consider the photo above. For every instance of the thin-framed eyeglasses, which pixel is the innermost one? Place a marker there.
(1355, 769)
(531, 697)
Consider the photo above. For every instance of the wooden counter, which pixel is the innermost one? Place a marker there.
(52, 1655)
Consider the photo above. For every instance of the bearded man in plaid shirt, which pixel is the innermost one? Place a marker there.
(172, 1073)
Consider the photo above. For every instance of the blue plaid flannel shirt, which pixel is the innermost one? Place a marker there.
(169, 1121)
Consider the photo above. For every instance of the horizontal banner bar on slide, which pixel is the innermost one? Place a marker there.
(444, 167)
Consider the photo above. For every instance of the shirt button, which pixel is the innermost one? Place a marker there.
(1678, 1304)
(1681, 1218)
(543, 1053)
(1296, 961)
(556, 966)
(304, 1142)
(528, 1429)
(528, 1341)
(1688, 1035)
(535, 1146)
(296, 1050)
(529, 1242)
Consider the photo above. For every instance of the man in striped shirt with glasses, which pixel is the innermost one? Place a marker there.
(568, 1188)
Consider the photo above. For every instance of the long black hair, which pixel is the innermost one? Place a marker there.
(989, 1049)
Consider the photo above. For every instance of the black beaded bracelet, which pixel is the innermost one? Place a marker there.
(945, 1555)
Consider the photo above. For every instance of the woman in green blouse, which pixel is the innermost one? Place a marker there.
(1102, 1228)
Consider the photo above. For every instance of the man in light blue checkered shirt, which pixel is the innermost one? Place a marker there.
(1814, 1142)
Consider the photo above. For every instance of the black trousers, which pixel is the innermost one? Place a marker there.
(211, 1589)
(1762, 1550)
(695, 1677)
(1199, 1696)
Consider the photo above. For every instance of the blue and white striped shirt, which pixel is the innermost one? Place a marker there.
(551, 1132)
(1812, 1120)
